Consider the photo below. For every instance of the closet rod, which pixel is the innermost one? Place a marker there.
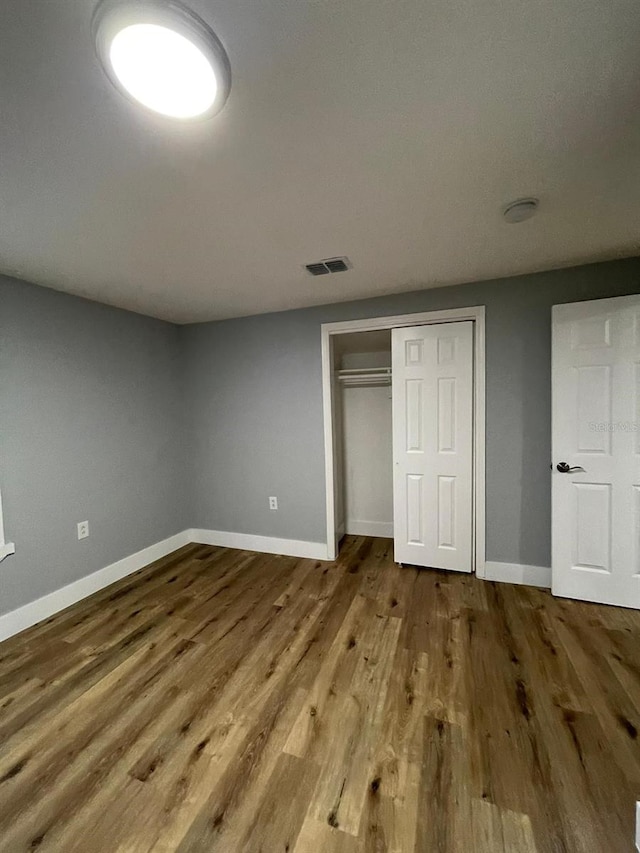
(365, 376)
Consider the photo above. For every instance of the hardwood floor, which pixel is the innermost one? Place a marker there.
(221, 700)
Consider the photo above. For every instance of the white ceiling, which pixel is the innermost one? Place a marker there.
(391, 131)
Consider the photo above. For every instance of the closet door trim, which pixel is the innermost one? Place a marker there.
(476, 314)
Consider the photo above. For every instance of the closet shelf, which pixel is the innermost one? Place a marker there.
(364, 376)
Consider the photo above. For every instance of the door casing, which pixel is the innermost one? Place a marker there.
(476, 314)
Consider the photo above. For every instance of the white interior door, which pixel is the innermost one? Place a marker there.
(596, 418)
(433, 445)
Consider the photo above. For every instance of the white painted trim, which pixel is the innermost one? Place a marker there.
(6, 549)
(476, 314)
(370, 528)
(333, 534)
(263, 544)
(421, 318)
(42, 608)
(479, 442)
(518, 573)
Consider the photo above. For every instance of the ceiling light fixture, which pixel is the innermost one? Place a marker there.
(518, 211)
(163, 56)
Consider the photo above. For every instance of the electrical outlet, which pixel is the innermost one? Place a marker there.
(83, 529)
(273, 503)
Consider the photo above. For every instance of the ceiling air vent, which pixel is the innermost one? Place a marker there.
(318, 269)
(328, 265)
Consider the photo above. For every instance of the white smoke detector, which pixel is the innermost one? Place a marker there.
(521, 209)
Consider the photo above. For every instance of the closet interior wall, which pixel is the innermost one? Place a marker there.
(364, 494)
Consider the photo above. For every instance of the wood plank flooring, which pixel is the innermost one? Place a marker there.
(220, 700)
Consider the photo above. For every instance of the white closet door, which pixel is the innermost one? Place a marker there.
(433, 445)
(596, 423)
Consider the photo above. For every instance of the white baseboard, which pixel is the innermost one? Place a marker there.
(264, 544)
(370, 528)
(42, 608)
(517, 573)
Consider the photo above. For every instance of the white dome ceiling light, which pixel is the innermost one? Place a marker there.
(163, 56)
(518, 211)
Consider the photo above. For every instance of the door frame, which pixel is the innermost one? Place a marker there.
(475, 314)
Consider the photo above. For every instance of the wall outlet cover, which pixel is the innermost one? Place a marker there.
(83, 529)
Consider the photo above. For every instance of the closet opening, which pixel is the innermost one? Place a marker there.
(364, 465)
(404, 404)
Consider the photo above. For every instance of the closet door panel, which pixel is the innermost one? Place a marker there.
(433, 445)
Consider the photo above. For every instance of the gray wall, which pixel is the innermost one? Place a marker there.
(254, 403)
(91, 418)
(146, 429)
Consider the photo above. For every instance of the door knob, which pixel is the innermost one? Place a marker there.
(565, 468)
